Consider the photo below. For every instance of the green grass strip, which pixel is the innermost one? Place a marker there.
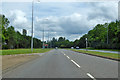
(22, 51)
(102, 49)
(109, 55)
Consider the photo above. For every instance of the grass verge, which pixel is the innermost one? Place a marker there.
(22, 51)
(102, 49)
(107, 55)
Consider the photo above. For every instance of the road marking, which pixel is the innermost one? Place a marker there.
(75, 63)
(91, 76)
(68, 57)
(79, 66)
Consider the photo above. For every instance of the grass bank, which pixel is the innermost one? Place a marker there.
(107, 55)
(22, 51)
(102, 49)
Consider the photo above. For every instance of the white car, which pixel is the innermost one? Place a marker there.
(72, 47)
(77, 47)
(56, 47)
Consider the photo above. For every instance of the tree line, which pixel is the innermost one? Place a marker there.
(103, 36)
(12, 39)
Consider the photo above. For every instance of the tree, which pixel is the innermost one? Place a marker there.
(24, 32)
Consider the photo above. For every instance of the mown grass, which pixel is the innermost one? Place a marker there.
(102, 49)
(22, 51)
(109, 55)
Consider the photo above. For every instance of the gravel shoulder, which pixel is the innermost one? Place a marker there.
(12, 61)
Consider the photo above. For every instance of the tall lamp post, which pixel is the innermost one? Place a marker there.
(43, 35)
(86, 43)
(107, 26)
(32, 28)
(32, 25)
(107, 33)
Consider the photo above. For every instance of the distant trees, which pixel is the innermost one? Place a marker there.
(61, 43)
(97, 37)
(12, 39)
(24, 32)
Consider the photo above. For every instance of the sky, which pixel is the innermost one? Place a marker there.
(67, 19)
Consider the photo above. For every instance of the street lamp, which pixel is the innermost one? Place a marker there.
(107, 33)
(86, 43)
(32, 25)
(48, 38)
(43, 35)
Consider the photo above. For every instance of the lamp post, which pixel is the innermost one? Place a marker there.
(107, 33)
(43, 35)
(107, 24)
(86, 43)
(32, 25)
(32, 28)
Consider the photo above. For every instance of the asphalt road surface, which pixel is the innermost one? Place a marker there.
(62, 63)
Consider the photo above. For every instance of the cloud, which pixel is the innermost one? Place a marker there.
(103, 10)
(70, 20)
(74, 25)
(19, 20)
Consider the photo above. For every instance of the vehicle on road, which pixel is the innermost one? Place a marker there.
(77, 47)
(56, 47)
(72, 47)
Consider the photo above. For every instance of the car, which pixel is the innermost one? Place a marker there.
(56, 47)
(72, 47)
(77, 47)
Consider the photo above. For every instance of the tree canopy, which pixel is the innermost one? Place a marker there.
(12, 39)
(106, 36)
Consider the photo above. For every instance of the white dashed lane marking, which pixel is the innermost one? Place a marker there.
(68, 57)
(88, 74)
(75, 63)
(91, 76)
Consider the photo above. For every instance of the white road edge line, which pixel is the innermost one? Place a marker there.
(91, 76)
(75, 63)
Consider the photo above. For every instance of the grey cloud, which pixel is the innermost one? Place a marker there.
(71, 26)
(18, 19)
(79, 26)
(103, 10)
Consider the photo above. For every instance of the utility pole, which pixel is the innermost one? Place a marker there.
(32, 28)
(43, 37)
(107, 33)
(48, 37)
(32, 25)
(86, 43)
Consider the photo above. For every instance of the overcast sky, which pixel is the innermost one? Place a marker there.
(67, 19)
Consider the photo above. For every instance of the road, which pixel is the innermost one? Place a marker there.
(105, 51)
(62, 63)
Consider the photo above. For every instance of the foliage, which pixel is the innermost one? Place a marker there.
(97, 37)
(12, 39)
(61, 43)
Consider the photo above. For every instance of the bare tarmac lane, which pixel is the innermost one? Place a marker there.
(62, 63)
